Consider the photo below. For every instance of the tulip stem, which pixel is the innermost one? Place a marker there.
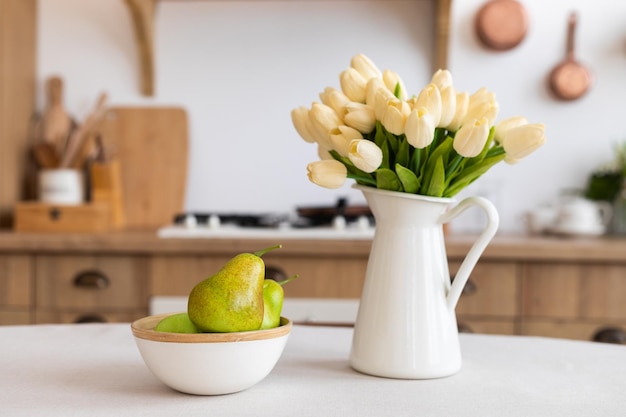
(362, 179)
(453, 165)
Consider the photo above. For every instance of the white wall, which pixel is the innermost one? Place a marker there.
(239, 67)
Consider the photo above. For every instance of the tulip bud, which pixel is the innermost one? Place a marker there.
(448, 106)
(335, 99)
(353, 85)
(395, 116)
(504, 125)
(487, 108)
(462, 103)
(420, 128)
(471, 138)
(372, 87)
(365, 67)
(328, 173)
(323, 153)
(442, 78)
(341, 138)
(300, 120)
(323, 119)
(365, 155)
(381, 98)
(521, 141)
(430, 97)
(360, 116)
(393, 80)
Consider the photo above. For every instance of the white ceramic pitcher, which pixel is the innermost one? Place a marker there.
(406, 323)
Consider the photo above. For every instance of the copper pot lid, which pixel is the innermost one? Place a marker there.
(501, 24)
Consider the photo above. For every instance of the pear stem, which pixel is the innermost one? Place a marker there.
(264, 251)
(281, 283)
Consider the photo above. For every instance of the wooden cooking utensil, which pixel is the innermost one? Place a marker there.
(570, 79)
(81, 134)
(501, 24)
(46, 155)
(57, 123)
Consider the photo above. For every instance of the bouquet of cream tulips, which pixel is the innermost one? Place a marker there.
(434, 144)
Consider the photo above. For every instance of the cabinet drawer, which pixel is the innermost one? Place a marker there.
(492, 290)
(486, 326)
(594, 291)
(580, 330)
(91, 282)
(88, 316)
(318, 277)
(16, 281)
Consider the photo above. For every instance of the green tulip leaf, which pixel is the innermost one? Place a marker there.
(380, 137)
(402, 156)
(436, 186)
(470, 174)
(409, 180)
(386, 179)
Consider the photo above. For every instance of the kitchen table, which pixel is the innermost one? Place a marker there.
(96, 370)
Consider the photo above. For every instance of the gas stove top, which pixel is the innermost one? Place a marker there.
(270, 226)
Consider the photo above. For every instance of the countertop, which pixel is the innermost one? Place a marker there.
(502, 247)
(96, 370)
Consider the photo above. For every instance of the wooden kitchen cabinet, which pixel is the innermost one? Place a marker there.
(539, 286)
(90, 288)
(16, 288)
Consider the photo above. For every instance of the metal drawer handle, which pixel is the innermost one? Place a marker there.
(470, 287)
(90, 318)
(275, 273)
(610, 335)
(91, 280)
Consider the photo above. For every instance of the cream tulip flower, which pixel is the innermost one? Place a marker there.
(430, 97)
(353, 85)
(365, 155)
(381, 100)
(323, 153)
(360, 116)
(395, 116)
(365, 66)
(471, 138)
(521, 141)
(341, 137)
(442, 78)
(302, 123)
(448, 106)
(488, 108)
(335, 99)
(323, 119)
(420, 128)
(505, 125)
(462, 103)
(327, 173)
(391, 80)
(372, 87)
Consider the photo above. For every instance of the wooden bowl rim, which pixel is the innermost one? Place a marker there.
(144, 329)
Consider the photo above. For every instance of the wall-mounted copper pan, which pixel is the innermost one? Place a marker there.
(570, 79)
(501, 24)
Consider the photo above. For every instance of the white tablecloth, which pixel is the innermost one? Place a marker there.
(96, 370)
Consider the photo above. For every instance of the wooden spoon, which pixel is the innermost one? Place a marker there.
(46, 155)
(56, 122)
(570, 79)
(81, 134)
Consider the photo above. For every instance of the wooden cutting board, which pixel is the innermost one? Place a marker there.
(151, 144)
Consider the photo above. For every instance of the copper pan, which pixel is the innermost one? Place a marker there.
(501, 24)
(570, 79)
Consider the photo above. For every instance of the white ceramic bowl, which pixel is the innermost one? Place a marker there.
(209, 363)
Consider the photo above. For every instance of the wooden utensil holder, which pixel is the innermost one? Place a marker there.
(106, 187)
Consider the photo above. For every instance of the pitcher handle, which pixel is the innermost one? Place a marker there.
(477, 248)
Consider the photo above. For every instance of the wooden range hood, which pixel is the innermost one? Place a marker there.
(142, 12)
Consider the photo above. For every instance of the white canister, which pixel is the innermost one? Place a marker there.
(61, 186)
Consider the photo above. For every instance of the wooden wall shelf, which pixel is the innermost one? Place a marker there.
(142, 13)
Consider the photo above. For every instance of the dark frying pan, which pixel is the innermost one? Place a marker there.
(570, 79)
(501, 24)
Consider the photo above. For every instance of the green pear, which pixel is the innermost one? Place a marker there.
(273, 297)
(232, 299)
(176, 323)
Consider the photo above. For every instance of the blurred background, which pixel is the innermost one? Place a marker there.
(239, 67)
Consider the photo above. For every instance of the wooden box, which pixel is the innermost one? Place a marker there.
(41, 217)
